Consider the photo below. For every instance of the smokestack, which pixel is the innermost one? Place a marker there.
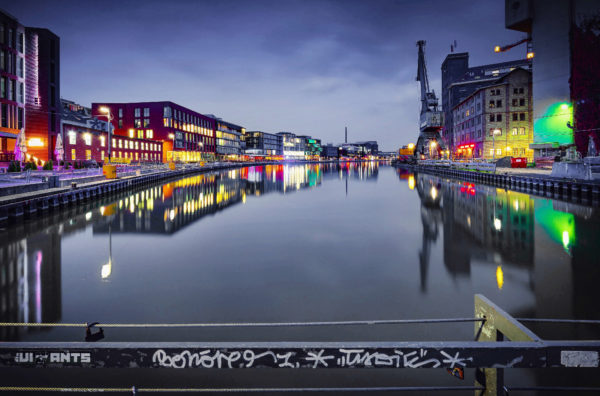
(346, 135)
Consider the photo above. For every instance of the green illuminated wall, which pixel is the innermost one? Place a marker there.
(552, 126)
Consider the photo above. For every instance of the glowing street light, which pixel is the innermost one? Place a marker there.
(494, 133)
(109, 117)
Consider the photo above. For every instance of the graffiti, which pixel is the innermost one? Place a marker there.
(318, 358)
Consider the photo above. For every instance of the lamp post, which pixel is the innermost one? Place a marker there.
(494, 133)
(109, 117)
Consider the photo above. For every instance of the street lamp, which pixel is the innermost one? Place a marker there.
(109, 117)
(494, 133)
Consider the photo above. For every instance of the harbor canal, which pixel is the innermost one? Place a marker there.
(303, 243)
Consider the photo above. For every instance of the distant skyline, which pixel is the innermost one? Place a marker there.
(306, 66)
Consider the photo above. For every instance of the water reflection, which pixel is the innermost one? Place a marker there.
(544, 249)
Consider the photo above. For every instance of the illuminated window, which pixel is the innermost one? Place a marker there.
(131, 132)
(72, 138)
(146, 122)
(136, 156)
(88, 139)
(136, 145)
(514, 131)
(102, 141)
(114, 143)
(73, 155)
(492, 104)
(137, 123)
(120, 143)
(498, 151)
(88, 154)
(102, 155)
(522, 131)
(140, 133)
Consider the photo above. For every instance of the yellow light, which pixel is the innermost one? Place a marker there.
(433, 144)
(171, 136)
(104, 109)
(411, 146)
(411, 182)
(433, 192)
(497, 48)
(106, 270)
(131, 133)
(35, 142)
(499, 277)
(530, 55)
(508, 149)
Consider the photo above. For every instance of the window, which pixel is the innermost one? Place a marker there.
(498, 117)
(521, 102)
(140, 133)
(146, 122)
(149, 134)
(120, 113)
(137, 112)
(102, 141)
(137, 123)
(136, 145)
(522, 117)
(88, 154)
(3, 87)
(522, 131)
(146, 112)
(72, 138)
(166, 112)
(515, 102)
(514, 131)
(120, 143)
(88, 139)
(479, 133)
(20, 118)
(73, 155)
(492, 118)
(478, 106)
(21, 95)
(102, 155)
(114, 143)
(491, 151)
(498, 103)
(20, 67)
(498, 151)
(515, 117)
(120, 123)
(492, 104)
(515, 91)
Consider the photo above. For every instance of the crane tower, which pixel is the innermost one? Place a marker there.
(430, 142)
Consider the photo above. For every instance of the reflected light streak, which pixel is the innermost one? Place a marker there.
(499, 277)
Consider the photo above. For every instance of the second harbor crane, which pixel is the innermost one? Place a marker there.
(430, 143)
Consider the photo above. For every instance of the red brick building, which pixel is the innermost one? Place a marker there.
(185, 134)
(86, 138)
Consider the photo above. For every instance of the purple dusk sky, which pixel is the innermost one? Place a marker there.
(306, 66)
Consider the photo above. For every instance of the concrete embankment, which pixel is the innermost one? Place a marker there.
(580, 191)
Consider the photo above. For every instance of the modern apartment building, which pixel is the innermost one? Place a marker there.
(263, 143)
(29, 90)
(496, 120)
(186, 135)
(85, 137)
(228, 139)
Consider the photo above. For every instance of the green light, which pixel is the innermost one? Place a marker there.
(552, 126)
(560, 226)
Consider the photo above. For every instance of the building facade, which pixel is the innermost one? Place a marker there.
(566, 42)
(460, 81)
(29, 90)
(330, 151)
(293, 146)
(263, 143)
(228, 139)
(186, 135)
(85, 138)
(496, 121)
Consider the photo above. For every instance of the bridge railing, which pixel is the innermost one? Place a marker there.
(501, 342)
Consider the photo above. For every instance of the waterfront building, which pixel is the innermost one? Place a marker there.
(330, 151)
(312, 147)
(566, 43)
(460, 81)
(85, 138)
(263, 143)
(186, 135)
(228, 139)
(29, 89)
(293, 146)
(359, 149)
(495, 120)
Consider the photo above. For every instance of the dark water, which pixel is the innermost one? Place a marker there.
(304, 243)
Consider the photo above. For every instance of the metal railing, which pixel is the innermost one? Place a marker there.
(501, 342)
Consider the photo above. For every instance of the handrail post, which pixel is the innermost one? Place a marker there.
(497, 326)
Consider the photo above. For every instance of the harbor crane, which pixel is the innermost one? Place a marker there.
(430, 142)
